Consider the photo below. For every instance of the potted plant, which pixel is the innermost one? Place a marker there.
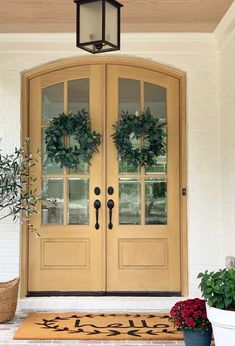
(18, 200)
(218, 288)
(189, 316)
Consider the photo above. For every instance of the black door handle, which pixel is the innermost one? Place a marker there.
(110, 205)
(97, 206)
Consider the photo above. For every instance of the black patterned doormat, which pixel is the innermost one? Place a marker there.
(95, 326)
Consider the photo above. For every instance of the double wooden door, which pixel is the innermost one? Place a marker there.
(142, 250)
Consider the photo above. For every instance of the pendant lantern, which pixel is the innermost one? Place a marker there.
(98, 25)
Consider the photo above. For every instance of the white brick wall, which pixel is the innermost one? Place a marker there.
(194, 53)
(225, 34)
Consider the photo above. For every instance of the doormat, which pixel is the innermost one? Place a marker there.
(97, 326)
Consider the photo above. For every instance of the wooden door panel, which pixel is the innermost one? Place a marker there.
(144, 257)
(154, 253)
(76, 253)
(67, 257)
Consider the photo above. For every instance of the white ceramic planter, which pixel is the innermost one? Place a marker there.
(223, 325)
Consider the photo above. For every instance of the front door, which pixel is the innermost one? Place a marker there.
(142, 250)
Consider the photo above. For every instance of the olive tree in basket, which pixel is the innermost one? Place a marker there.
(17, 200)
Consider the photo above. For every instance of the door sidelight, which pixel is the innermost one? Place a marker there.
(97, 206)
(110, 205)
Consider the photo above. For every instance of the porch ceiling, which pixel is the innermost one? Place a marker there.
(137, 15)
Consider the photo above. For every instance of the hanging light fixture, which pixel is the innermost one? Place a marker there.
(98, 25)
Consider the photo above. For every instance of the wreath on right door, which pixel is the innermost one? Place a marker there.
(140, 139)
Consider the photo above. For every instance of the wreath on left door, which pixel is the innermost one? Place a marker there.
(78, 126)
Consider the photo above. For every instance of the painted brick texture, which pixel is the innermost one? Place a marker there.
(227, 142)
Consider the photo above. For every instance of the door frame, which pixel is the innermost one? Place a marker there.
(116, 60)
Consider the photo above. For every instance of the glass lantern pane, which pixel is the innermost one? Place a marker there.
(155, 201)
(52, 102)
(91, 21)
(52, 201)
(49, 167)
(78, 213)
(111, 18)
(78, 95)
(129, 201)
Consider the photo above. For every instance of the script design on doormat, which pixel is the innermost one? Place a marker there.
(90, 326)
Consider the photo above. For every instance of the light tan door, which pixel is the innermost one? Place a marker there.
(142, 250)
(143, 247)
(69, 255)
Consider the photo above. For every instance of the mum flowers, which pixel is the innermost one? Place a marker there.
(190, 315)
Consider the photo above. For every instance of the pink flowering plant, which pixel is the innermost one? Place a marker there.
(190, 314)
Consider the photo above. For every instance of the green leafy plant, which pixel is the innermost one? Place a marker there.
(140, 139)
(218, 288)
(16, 198)
(78, 126)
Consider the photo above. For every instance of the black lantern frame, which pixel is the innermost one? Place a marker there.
(102, 45)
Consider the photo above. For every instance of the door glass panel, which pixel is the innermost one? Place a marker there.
(156, 201)
(49, 167)
(126, 167)
(78, 95)
(155, 100)
(129, 101)
(52, 101)
(129, 201)
(160, 165)
(52, 201)
(78, 204)
(82, 167)
(129, 95)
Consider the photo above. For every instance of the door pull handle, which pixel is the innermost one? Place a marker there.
(110, 205)
(97, 206)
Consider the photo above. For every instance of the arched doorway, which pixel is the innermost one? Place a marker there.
(145, 251)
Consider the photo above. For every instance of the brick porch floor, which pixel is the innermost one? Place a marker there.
(7, 331)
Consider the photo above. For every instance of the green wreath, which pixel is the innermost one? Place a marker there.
(77, 125)
(144, 128)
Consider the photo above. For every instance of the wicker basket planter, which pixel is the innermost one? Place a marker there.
(8, 299)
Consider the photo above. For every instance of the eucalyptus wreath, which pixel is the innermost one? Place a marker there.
(144, 128)
(76, 125)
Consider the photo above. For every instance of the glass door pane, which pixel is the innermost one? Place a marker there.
(135, 95)
(78, 203)
(78, 95)
(52, 102)
(73, 186)
(52, 201)
(155, 100)
(48, 166)
(129, 201)
(155, 201)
